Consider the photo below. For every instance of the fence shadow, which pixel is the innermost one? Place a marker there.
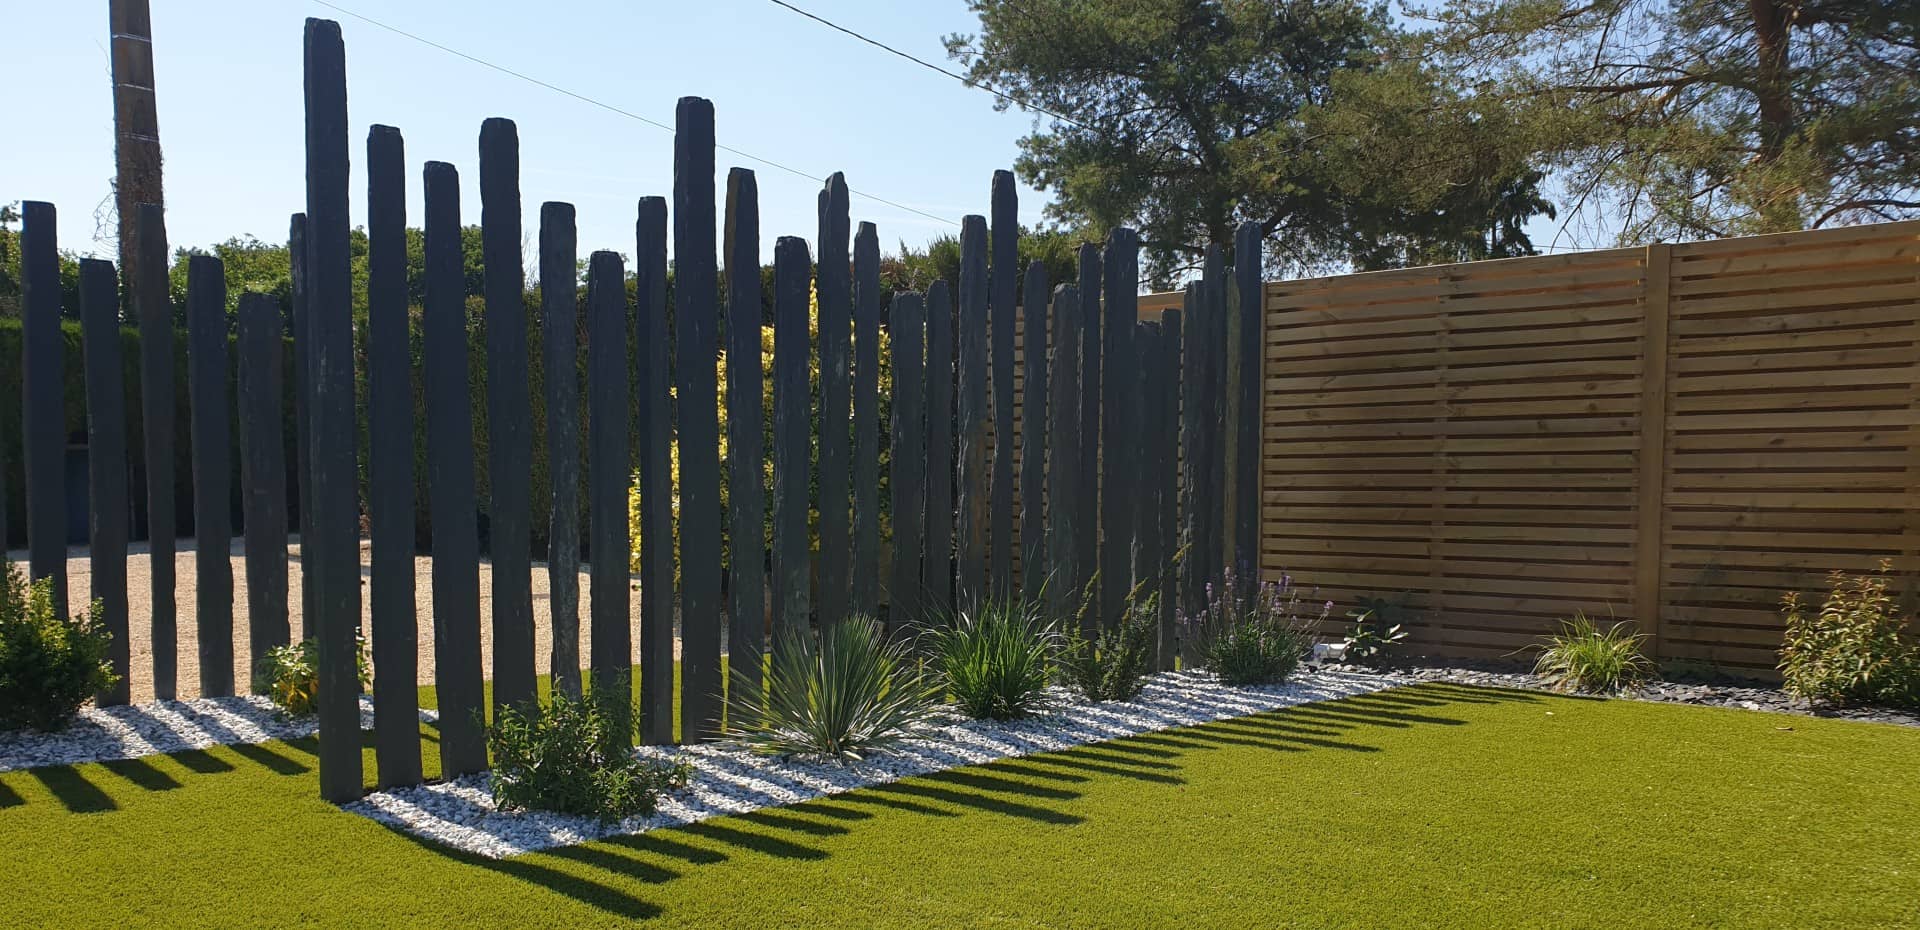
(86, 788)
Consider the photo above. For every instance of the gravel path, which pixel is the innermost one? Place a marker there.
(140, 608)
(730, 780)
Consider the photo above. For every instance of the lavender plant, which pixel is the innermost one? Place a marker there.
(1254, 634)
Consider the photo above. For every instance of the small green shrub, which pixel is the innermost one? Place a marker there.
(840, 694)
(1375, 632)
(1853, 649)
(1583, 657)
(994, 659)
(1113, 666)
(290, 674)
(48, 666)
(1254, 637)
(570, 760)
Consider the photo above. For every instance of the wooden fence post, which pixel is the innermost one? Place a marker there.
(866, 420)
(792, 439)
(1249, 314)
(746, 445)
(263, 479)
(835, 323)
(1033, 437)
(909, 472)
(936, 580)
(1652, 471)
(1166, 433)
(970, 586)
(657, 598)
(696, 321)
(107, 465)
(302, 435)
(608, 468)
(1063, 445)
(450, 481)
(390, 475)
(1086, 490)
(43, 410)
(1004, 278)
(560, 347)
(154, 309)
(207, 368)
(1118, 423)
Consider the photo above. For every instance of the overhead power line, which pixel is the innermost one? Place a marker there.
(611, 108)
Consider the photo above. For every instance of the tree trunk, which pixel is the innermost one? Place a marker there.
(136, 126)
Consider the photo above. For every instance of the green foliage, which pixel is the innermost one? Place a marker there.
(1256, 636)
(994, 659)
(1375, 631)
(48, 666)
(1114, 665)
(840, 694)
(1583, 657)
(571, 760)
(1854, 649)
(290, 674)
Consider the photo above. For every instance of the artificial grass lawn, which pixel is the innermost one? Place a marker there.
(1433, 805)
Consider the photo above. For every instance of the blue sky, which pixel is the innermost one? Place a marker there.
(783, 87)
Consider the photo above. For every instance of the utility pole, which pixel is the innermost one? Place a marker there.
(136, 125)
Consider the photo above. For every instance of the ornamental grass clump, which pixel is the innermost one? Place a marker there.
(572, 760)
(48, 666)
(838, 694)
(994, 659)
(1854, 649)
(1254, 635)
(1583, 657)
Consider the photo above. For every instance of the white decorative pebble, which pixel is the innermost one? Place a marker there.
(102, 734)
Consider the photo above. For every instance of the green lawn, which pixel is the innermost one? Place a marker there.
(1428, 806)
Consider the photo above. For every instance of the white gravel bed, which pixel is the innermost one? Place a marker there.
(728, 779)
(103, 734)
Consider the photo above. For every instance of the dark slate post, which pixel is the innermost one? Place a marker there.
(792, 437)
(207, 368)
(746, 445)
(1211, 332)
(509, 417)
(696, 318)
(1063, 452)
(107, 463)
(154, 309)
(263, 477)
(302, 433)
(908, 325)
(1118, 422)
(656, 476)
(1166, 439)
(1248, 346)
(936, 580)
(42, 398)
(1191, 375)
(833, 290)
(560, 341)
(1034, 570)
(970, 586)
(1003, 284)
(1086, 491)
(335, 481)
(450, 483)
(390, 477)
(1146, 510)
(608, 465)
(866, 420)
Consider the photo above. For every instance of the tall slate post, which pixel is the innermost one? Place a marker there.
(263, 477)
(833, 290)
(212, 435)
(1192, 378)
(451, 494)
(1004, 274)
(390, 477)
(509, 418)
(654, 379)
(909, 473)
(1063, 453)
(1249, 335)
(302, 434)
(1166, 433)
(746, 444)
(559, 340)
(154, 309)
(335, 479)
(1118, 422)
(1087, 490)
(1210, 336)
(1034, 403)
(974, 513)
(936, 580)
(1146, 510)
(696, 318)
(792, 439)
(107, 465)
(43, 406)
(608, 468)
(866, 420)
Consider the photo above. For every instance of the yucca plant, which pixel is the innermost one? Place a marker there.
(994, 659)
(1583, 657)
(840, 694)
